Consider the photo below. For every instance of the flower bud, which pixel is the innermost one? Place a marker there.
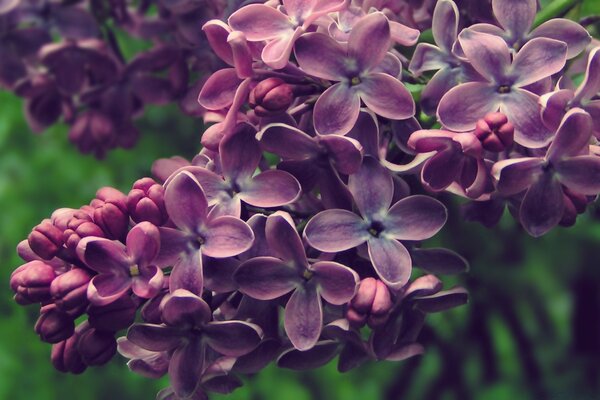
(145, 202)
(114, 316)
(96, 347)
(93, 132)
(66, 358)
(80, 226)
(113, 220)
(575, 204)
(31, 282)
(271, 96)
(53, 325)
(46, 240)
(69, 291)
(371, 304)
(60, 218)
(495, 132)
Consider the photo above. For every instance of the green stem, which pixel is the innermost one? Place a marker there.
(555, 9)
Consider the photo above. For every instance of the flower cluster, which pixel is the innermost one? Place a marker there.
(315, 189)
(86, 79)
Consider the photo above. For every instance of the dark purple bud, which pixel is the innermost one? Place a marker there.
(112, 219)
(81, 225)
(25, 252)
(69, 291)
(96, 347)
(53, 325)
(46, 240)
(31, 282)
(66, 358)
(114, 316)
(60, 218)
(145, 202)
(371, 304)
(271, 96)
(575, 204)
(93, 132)
(495, 132)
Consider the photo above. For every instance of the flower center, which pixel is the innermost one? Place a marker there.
(376, 228)
(307, 274)
(503, 89)
(355, 81)
(134, 270)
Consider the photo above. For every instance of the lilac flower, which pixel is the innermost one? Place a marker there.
(186, 333)
(458, 159)
(556, 104)
(567, 163)
(516, 18)
(122, 267)
(240, 155)
(280, 27)
(379, 225)
(336, 110)
(267, 278)
(503, 86)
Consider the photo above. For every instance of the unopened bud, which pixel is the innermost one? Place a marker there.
(54, 325)
(46, 240)
(371, 304)
(145, 202)
(114, 316)
(31, 282)
(96, 347)
(271, 96)
(69, 291)
(495, 132)
(66, 358)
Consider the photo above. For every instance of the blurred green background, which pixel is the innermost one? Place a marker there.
(531, 330)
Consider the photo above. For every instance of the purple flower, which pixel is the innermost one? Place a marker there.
(503, 86)
(198, 233)
(122, 267)
(379, 225)
(267, 278)
(516, 18)
(186, 333)
(567, 163)
(354, 70)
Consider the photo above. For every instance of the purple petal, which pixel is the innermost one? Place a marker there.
(390, 65)
(271, 189)
(516, 175)
(321, 56)
(543, 206)
(184, 309)
(538, 59)
(403, 35)
(186, 202)
(386, 96)
(591, 82)
(266, 278)
(173, 243)
(187, 274)
(336, 110)
(372, 188)
(304, 317)
(415, 218)
(219, 90)
(284, 240)
(461, 108)
(439, 261)
(232, 338)
(148, 283)
(580, 174)
(104, 289)
(217, 32)
(445, 24)
(240, 152)
(186, 366)
(554, 107)
(218, 274)
(335, 230)
(336, 283)
(516, 16)
(523, 111)
(276, 53)
(366, 132)
(405, 351)
(226, 237)
(488, 54)
(427, 57)
(574, 35)
(288, 142)
(440, 84)
(154, 337)
(212, 184)
(442, 169)
(103, 255)
(143, 243)
(572, 136)
(391, 261)
(369, 40)
(260, 22)
(316, 357)
(344, 152)
(442, 301)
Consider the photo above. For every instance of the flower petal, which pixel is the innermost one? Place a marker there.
(344, 152)
(304, 317)
(415, 218)
(240, 152)
(260, 22)
(226, 236)
(543, 206)
(538, 59)
(284, 240)
(445, 24)
(574, 35)
(266, 278)
(523, 111)
(148, 283)
(386, 96)
(461, 108)
(143, 243)
(319, 355)
(232, 338)
(335, 230)
(321, 56)
(185, 309)
(369, 40)
(186, 366)
(276, 53)
(372, 188)
(103, 255)
(187, 273)
(488, 54)
(591, 82)
(288, 142)
(104, 289)
(337, 283)
(154, 337)
(516, 16)
(391, 261)
(219, 90)
(517, 174)
(427, 57)
(186, 202)
(440, 84)
(336, 110)
(580, 174)
(271, 189)
(572, 136)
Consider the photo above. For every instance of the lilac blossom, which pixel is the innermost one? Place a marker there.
(380, 224)
(353, 69)
(504, 85)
